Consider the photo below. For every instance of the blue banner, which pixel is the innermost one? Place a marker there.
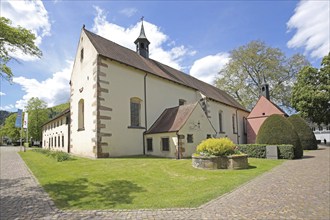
(18, 123)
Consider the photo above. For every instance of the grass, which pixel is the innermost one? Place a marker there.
(135, 183)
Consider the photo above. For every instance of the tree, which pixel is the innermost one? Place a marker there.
(38, 115)
(252, 65)
(311, 92)
(9, 129)
(12, 39)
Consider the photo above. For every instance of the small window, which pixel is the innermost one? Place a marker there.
(165, 144)
(55, 141)
(62, 140)
(135, 104)
(245, 125)
(190, 138)
(234, 123)
(149, 144)
(59, 141)
(208, 136)
(81, 54)
(220, 122)
(320, 128)
(182, 102)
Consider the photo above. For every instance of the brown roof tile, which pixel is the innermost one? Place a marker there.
(172, 119)
(126, 56)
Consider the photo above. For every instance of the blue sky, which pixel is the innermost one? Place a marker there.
(193, 36)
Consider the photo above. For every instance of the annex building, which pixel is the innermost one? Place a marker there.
(124, 103)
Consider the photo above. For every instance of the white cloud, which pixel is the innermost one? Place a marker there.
(31, 15)
(312, 23)
(53, 91)
(7, 107)
(2, 94)
(129, 12)
(127, 36)
(207, 68)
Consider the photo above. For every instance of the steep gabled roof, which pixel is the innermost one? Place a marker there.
(265, 108)
(128, 57)
(172, 119)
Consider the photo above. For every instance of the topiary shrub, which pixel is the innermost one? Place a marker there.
(305, 133)
(276, 130)
(216, 147)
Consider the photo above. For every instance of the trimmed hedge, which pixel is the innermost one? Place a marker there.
(305, 133)
(259, 150)
(277, 130)
(253, 150)
(285, 152)
(59, 156)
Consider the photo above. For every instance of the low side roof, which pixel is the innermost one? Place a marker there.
(66, 111)
(126, 56)
(172, 119)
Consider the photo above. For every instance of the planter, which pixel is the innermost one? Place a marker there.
(232, 162)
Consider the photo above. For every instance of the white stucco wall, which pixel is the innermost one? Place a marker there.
(58, 129)
(227, 125)
(82, 82)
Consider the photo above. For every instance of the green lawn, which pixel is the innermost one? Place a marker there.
(135, 183)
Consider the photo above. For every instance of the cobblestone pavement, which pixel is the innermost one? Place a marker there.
(297, 189)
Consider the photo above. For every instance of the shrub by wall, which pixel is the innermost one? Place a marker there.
(253, 150)
(277, 130)
(59, 156)
(305, 133)
(216, 147)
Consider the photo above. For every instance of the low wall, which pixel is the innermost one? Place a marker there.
(232, 162)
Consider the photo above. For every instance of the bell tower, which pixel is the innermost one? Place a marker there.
(264, 91)
(142, 43)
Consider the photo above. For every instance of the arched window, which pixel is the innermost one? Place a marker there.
(135, 105)
(81, 115)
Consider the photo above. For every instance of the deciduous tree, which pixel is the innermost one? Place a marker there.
(11, 40)
(38, 115)
(311, 92)
(255, 63)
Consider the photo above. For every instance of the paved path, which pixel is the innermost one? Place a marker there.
(298, 189)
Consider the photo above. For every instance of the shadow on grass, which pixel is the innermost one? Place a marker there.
(251, 167)
(82, 194)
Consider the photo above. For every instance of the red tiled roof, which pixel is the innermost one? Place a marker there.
(128, 57)
(172, 119)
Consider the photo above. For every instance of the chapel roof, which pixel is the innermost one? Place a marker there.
(172, 119)
(129, 57)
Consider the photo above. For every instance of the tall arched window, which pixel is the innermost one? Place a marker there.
(81, 115)
(135, 105)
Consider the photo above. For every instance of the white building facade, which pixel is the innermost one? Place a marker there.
(117, 95)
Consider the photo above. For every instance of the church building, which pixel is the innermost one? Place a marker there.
(124, 103)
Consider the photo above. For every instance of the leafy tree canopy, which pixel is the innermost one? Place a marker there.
(311, 92)
(12, 39)
(38, 115)
(9, 128)
(252, 65)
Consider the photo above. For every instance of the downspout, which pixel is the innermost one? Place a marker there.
(145, 112)
(237, 134)
(178, 136)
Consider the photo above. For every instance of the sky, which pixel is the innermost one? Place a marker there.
(195, 37)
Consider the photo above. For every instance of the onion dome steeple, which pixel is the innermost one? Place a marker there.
(142, 43)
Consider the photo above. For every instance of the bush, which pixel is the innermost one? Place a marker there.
(59, 156)
(305, 133)
(253, 150)
(216, 147)
(285, 152)
(276, 130)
